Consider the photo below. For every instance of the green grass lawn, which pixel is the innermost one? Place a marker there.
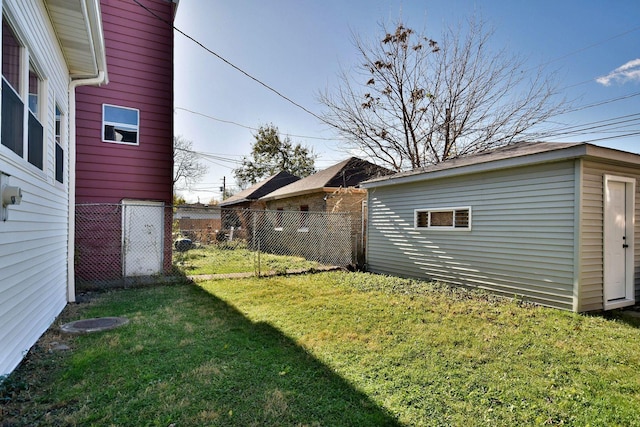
(330, 349)
(213, 259)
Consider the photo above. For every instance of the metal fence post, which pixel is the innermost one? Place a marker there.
(254, 231)
(123, 251)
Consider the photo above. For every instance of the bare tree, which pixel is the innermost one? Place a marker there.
(187, 170)
(415, 101)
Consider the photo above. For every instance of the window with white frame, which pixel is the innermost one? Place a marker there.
(22, 88)
(35, 145)
(120, 124)
(444, 218)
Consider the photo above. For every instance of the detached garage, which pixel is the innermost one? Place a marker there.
(550, 223)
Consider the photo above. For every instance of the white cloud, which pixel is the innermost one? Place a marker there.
(625, 73)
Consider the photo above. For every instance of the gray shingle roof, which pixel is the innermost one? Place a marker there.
(261, 188)
(507, 152)
(348, 173)
(514, 155)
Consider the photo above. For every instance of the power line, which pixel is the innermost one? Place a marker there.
(624, 33)
(599, 103)
(218, 158)
(222, 165)
(591, 46)
(215, 118)
(212, 156)
(614, 124)
(554, 135)
(613, 137)
(580, 128)
(605, 123)
(215, 158)
(286, 98)
(576, 131)
(249, 127)
(602, 124)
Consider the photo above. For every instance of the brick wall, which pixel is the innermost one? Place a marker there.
(200, 230)
(315, 201)
(339, 200)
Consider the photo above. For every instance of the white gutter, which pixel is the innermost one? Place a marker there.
(92, 12)
(100, 79)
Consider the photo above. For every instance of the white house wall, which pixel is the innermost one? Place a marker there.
(33, 241)
(521, 241)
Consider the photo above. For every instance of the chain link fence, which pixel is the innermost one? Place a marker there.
(137, 242)
(122, 244)
(327, 238)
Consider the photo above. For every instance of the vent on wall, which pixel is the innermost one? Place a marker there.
(9, 195)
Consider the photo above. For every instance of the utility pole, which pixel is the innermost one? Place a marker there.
(447, 135)
(223, 189)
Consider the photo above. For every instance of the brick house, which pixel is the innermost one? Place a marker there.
(250, 197)
(335, 189)
(198, 222)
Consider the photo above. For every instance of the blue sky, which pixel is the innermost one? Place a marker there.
(298, 47)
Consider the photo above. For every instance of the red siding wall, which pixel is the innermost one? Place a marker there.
(139, 50)
(140, 68)
(98, 249)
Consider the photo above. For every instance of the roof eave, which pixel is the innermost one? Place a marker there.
(78, 26)
(234, 202)
(271, 197)
(563, 153)
(612, 155)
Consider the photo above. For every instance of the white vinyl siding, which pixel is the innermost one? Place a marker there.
(33, 241)
(591, 233)
(521, 243)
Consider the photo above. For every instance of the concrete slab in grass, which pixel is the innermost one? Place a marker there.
(97, 324)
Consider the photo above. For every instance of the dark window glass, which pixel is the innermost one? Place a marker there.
(59, 150)
(12, 119)
(35, 145)
(59, 164)
(422, 219)
(462, 219)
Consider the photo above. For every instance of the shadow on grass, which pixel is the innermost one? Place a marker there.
(287, 385)
(186, 358)
(630, 316)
